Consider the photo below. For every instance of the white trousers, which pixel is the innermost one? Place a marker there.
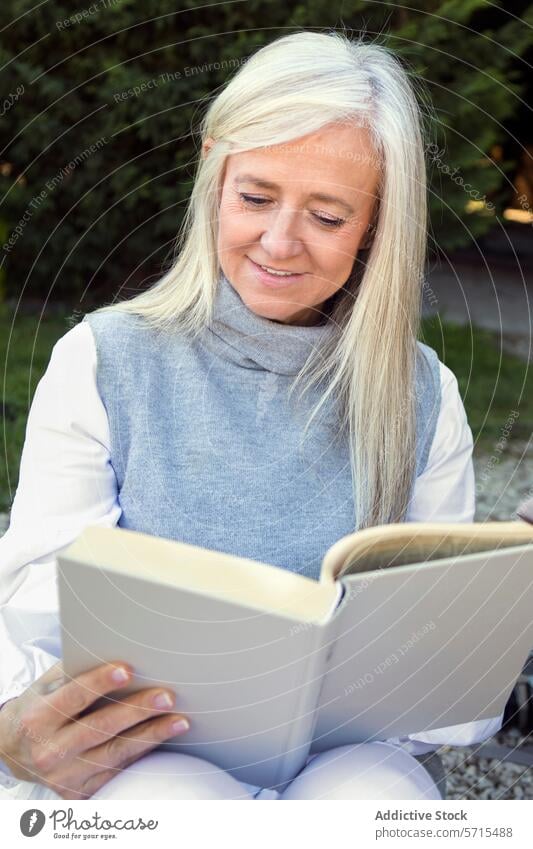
(362, 771)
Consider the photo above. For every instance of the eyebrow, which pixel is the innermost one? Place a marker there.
(267, 184)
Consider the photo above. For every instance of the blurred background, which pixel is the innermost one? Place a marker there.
(100, 105)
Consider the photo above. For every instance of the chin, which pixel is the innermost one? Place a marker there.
(264, 299)
(260, 308)
(263, 302)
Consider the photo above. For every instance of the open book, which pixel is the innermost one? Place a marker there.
(410, 627)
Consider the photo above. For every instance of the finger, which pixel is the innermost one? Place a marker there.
(51, 686)
(95, 728)
(59, 707)
(126, 748)
(53, 674)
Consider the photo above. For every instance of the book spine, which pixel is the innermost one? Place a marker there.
(300, 736)
(329, 642)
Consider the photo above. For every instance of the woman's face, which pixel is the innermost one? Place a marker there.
(303, 207)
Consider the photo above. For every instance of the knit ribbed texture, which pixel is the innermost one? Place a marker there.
(239, 335)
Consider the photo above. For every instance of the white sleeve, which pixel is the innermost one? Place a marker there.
(66, 482)
(445, 492)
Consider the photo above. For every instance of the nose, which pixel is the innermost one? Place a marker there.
(280, 240)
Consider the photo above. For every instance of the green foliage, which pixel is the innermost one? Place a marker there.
(97, 154)
(26, 343)
(3, 237)
(492, 382)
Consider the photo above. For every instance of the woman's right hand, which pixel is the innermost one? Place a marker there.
(43, 739)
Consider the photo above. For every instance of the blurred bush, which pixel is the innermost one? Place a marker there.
(97, 155)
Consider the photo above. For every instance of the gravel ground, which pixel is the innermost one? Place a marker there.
(469, 776)
(503, 481)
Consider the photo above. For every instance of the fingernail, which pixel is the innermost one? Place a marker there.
(180, 726)
(163, 700)
(119, 675)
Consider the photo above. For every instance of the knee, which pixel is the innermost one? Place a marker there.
(172, 775)
(363, 771)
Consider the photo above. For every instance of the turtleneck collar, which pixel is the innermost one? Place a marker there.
(251, 341)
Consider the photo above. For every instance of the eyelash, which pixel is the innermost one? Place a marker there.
(328, 222)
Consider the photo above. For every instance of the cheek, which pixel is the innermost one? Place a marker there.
(235, 227)
(338, 250)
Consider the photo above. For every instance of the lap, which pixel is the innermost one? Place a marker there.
(172, 775)
(361, 771)
(158, 775)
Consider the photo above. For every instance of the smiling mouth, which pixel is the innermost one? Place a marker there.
(281, 272)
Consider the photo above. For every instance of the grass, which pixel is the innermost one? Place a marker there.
(25, 348)
(493, 384)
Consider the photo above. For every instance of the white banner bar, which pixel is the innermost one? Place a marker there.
(239, 824)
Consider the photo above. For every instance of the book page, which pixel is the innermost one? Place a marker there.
(220, 575)
(416, 542)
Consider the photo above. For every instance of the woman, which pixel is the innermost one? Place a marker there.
(176, 412)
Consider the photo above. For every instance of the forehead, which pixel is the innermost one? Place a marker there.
(339, 156)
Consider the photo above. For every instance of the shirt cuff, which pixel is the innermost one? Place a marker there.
(454, 735)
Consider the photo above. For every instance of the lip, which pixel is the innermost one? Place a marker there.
(271, 279)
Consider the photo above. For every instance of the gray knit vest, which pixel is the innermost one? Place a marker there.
(206, 447)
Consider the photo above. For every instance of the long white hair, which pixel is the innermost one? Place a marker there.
(307, 80)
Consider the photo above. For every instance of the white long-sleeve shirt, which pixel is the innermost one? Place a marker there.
(66, 482)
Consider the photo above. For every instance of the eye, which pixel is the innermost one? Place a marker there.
(258, 201)
(255, 201)
(330, 222)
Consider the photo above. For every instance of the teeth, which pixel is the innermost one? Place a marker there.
(278, 273)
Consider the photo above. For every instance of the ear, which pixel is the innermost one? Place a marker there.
(207, 145)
